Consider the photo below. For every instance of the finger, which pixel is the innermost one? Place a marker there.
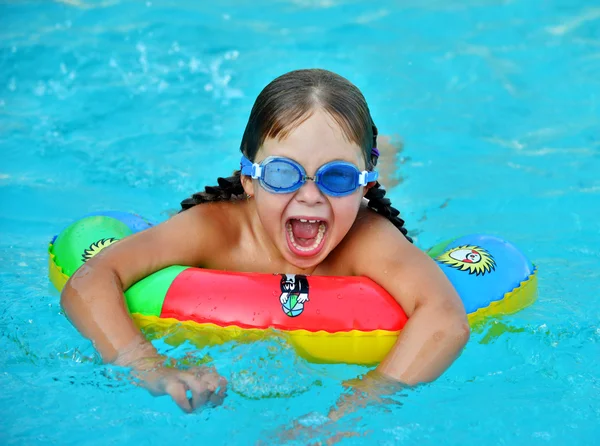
(208, 388)
(200, 392)
(214, 382)
(218, 396)
(220, 392)
(178, 391)
(339, 437)
(222, 387)
(216, 399)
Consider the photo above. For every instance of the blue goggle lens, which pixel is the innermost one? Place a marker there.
(281, 175)
(339, 179)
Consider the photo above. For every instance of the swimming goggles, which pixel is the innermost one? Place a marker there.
(281, 175)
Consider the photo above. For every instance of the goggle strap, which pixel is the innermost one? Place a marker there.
(252, 170)
(366, 177)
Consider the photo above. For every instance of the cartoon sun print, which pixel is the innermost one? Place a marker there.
(470, 258)
(96, 247)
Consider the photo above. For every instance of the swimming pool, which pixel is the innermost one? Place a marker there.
(135, 105)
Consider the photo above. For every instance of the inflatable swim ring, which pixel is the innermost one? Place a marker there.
(327, 319)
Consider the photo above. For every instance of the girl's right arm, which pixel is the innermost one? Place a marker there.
(94, 302)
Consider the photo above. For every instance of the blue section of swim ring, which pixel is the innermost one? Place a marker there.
(478, 291)
(133, 221)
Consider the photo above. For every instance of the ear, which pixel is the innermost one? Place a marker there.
(368, 186)
(248, 185)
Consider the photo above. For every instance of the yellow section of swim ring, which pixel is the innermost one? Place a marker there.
(521, 297)
(55, 272)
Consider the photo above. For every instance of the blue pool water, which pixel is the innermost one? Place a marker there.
(134, 105)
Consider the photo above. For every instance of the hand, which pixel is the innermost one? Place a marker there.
(312, 429)
(205, 385)
(160, 376)
(372, 388)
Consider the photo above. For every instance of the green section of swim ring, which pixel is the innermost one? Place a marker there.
(439, 248)
(148, 295)
(87, 237)
(84, 239)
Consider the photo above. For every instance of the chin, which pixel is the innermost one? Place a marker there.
(305, 262)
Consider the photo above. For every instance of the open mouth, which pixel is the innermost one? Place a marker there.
(305, 236)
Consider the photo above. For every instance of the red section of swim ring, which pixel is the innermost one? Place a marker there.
(253, 301)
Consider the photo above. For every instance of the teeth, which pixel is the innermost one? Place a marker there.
(318, 238)
(303, 221)
(308, 221)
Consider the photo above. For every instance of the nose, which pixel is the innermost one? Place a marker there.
(309, 193)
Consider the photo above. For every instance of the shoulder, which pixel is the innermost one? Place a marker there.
(215, 224)
(370, 236)
(194, 237)
(374, 237)
(376, 249)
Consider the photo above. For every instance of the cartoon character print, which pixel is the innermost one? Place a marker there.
(294, 293)
(466, 255)
(96, 247)
(470, 258)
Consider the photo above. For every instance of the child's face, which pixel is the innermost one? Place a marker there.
(306, 225)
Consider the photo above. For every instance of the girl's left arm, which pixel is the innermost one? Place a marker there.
(437, 328)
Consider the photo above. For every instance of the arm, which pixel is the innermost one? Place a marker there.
(437, 328)
(93, 299)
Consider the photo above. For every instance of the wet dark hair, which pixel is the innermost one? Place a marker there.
(286, 103)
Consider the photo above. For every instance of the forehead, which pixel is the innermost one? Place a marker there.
(316, 141)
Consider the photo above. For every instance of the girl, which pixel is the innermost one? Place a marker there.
(296, 207)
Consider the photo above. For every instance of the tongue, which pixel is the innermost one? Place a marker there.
(304, 229)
